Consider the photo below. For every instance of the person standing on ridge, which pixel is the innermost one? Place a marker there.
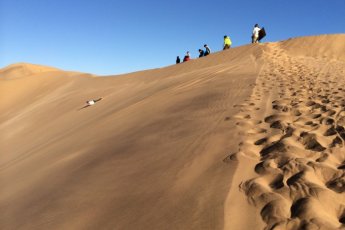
(208, 50)
(187, 57)
(227, 42)
(178, 60)
(201, 53)
(255, 34)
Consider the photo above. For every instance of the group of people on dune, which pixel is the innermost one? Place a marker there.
(226, 45)
(202, 53)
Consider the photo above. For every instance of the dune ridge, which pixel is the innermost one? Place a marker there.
(24, 69)
(248, 138)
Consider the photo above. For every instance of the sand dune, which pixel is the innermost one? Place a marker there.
(21, 70)
(249, 138)
(298, 157)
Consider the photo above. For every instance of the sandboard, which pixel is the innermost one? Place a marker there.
(262, 33)
(91, 102)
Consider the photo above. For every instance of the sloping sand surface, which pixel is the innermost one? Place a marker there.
(147, 156)
(248, 138)
(293, 138)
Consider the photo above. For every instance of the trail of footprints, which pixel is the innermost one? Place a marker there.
(294, 126)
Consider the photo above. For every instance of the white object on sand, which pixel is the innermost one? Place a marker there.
(91, 102)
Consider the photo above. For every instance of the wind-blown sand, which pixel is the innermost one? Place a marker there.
(248, 138)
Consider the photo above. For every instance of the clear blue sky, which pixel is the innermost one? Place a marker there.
(118, 36)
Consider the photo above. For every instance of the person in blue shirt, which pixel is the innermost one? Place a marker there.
(207, 51)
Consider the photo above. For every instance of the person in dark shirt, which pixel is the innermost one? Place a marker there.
(178, 60)
(201, 53)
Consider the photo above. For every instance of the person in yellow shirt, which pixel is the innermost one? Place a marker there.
(227, 42)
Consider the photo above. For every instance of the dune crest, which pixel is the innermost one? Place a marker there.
(24, 69)
(248, 138)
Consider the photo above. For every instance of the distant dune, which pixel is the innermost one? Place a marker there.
(24, 69)
(248, 138)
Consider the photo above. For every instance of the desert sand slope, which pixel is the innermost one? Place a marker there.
(293, 138)
(147, 156)
(248, 138)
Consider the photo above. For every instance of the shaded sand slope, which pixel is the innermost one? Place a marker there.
(147, 156)
(292, 153)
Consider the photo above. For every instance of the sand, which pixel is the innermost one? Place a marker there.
(248, 138)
